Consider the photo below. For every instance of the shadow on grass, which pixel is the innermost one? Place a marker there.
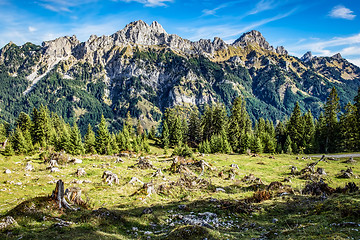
(290, 216)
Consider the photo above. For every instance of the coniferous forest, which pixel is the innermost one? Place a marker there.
(212, 131)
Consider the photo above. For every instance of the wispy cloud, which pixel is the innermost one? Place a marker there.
(31, 29)
(228, 32)
(62, 5)
(213, 11)
(263, 5)
(151, 3)
(342, 12)
(324, 47)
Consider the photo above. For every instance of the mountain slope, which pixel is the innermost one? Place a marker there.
(143, 69)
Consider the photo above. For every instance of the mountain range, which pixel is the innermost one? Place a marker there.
(142, 69)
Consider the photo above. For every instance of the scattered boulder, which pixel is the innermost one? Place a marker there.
(80, 172)
(234, 166)
(54, 169)
(76, 161)
(124, 154)
(7, 222)
(134, 180)
(52, 163)
(29, 167)
(157, 173)
(7, 171)
(110, 178)
(118, 160)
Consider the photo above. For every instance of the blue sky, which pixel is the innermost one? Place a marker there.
(324, 27)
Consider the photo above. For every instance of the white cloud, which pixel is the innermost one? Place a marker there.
(62, 5)
(342, 12)
(227, 32)
(31, 29)
(263, 5)
(151, 3)
(213, 11)
(355, 61)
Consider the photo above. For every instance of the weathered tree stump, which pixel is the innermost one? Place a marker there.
(59, 195)
(110, 177)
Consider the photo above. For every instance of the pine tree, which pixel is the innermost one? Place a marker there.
(103, 138)
(280, 135)
(165, 135)
(357, 117)
(76, 146)
(309, 132)
(90, 141)
(319, 136)
(207, 123)
(18, 141)
(113, 143)
(332, 108)
(295, 128)
(139, 129)
(256, 145)
(177, 134)
(348, 126)
(152, 133)
(239, 124)
(194, 128)
(9, 151)
(288, 145)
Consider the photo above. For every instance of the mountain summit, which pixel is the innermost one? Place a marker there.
(142, 69)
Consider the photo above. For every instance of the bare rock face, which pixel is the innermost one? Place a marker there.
(307, 57)
(251, 38)
(61, 47)
(337, 56)
(281, 50)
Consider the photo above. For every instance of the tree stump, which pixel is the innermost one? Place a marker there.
(59, 195)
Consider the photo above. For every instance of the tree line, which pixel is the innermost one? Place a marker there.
(216, 131)
(213, 131)
(46, 130)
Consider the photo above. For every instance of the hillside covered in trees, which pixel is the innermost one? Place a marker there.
(143, 70)
(213, 131)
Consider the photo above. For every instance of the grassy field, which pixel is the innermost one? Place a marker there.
(181, 206)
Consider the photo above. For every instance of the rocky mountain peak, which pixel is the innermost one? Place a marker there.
(60, 47)
(157, 27)
(281, 50)
(337, 56)
(253, 37)
(307, 57)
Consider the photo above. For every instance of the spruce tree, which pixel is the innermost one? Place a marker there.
(357, 117)
(76, 146)
(90, 141)
(295, 128)
(309, 133)
(165, 135)
(194, 128)
(103, 138)
(348, 127)
(239, 124)
(280, 135)
(332, 108)
(18, 141)
(288, 145)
